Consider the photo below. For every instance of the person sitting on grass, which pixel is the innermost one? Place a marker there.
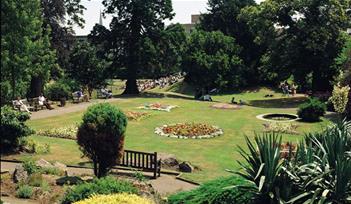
(43, 102)
(107, 93)
(233, 101)
(21, 106)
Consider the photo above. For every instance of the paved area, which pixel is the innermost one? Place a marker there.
(68, 109)
(165, 185)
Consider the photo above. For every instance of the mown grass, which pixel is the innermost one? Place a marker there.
(212, 156)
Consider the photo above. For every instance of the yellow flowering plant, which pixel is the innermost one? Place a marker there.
(124, 198)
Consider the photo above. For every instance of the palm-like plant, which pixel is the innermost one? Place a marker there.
(326, 176)
(263, 167)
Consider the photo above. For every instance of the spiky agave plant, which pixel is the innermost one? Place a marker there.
(322, 171)
(263, 167)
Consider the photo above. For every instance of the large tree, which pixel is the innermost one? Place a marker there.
(134, 21)
(25, 47)
(211, 61)
(223, 15)
(86, 68)
(60, 16)
(306, 37)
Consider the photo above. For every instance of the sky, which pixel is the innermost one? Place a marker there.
(182, 8)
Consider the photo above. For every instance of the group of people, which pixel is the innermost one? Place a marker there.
(161, 82)
(288, 89)
(42, 101)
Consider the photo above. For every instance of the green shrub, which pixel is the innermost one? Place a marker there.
(312, 110)
(32, 146)
(24, 191)
(56, 91)
(52, 171)
(214, 192)
(35, 180)
(106, 185)
(30, 166)
(45, 186)
(101, 136)
(13, 128)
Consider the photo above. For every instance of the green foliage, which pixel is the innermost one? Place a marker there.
(307, 41)
(24, 191)
(106, 185)
(13, 128)
(30, 166)
(211, 60)
(32, 146)
(52, 171)
(86, 68)
(312, 110)
(324, 175)
(134, 22)
(57, 90)
(45, 186)
(214, 192)
(343, 61)
(139, 176)
(35, 180)
(26, 53)
(101, 136)
(224, 16)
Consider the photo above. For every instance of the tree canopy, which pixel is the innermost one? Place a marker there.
(133, 23)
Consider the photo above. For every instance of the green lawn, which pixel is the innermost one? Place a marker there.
(212, 156)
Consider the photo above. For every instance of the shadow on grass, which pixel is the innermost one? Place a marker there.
(154, 95)
(292, 102)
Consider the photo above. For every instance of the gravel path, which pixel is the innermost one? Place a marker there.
(68, 109)
(165, 185)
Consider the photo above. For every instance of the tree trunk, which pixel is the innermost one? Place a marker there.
(131, 87)
(36, 87)
(319, 83)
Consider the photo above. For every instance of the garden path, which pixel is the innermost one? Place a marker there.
(164, 185)
(71, 108)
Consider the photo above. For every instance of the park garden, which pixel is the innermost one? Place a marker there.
(252, 106)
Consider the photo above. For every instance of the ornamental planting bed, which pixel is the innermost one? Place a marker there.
(158, 106)
(136, 116)
(189, 131)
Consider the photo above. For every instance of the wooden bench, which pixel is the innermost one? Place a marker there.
(36, 105)
(25, 102)
(142, 160)
(76, 98)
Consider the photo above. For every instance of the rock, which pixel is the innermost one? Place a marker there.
(69, 180)
(186, 167)
(87, 178)
(42, 163)
(20, 174)
(60, 166)
(168, 160)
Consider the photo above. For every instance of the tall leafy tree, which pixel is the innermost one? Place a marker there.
(25, 52)
(211, 61)
(133, 22)
(60, 16)
(223, 15)
(306, 37)
(86, 68)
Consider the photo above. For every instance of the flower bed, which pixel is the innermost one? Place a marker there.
(158, 106)
(68, 132)
(189, 130)
(136, 116)
(225, 106)
(287, 128)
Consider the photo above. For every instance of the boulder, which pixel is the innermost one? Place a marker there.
(186, 167)
(168, 160)
(20, 175)
(42, 163)
(60, 166)
(69, 180)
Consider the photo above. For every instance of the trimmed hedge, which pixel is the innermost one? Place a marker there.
(214, 192)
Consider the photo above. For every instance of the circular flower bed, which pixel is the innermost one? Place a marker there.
(157, 106)
(225, 106)
(278, 117)
(189, 130)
